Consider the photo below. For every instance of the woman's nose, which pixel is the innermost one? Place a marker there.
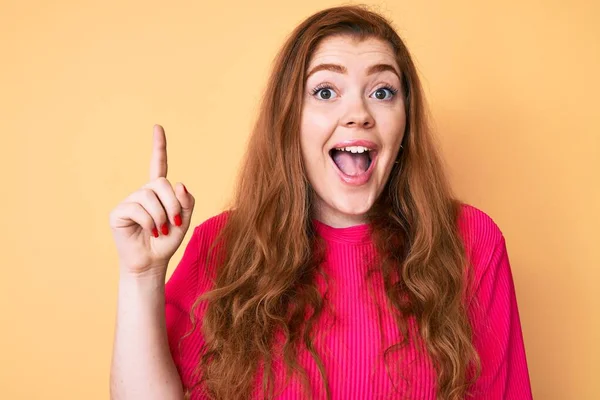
(358, 116)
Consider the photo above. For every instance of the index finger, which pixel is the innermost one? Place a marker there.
(158, 161)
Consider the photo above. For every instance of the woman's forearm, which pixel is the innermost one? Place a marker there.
(142, 366)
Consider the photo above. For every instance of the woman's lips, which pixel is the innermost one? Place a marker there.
(356, 142)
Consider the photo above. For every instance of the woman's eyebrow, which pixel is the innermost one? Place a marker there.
(340, 69)
(374, 69)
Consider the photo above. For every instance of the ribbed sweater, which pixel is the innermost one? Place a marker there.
(351, 342)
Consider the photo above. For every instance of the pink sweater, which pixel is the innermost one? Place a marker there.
(351, 348)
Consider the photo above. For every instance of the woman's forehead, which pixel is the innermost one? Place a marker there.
(342, 49)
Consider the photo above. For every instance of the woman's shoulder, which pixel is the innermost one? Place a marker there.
(482, 237)
(196, 270)
(204, 240)
(477, 227)
(209, 229)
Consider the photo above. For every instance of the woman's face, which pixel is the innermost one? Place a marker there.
(352, 126)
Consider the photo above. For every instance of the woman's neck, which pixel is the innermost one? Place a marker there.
(336, 219)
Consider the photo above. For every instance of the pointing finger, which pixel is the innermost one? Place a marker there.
(158, 161)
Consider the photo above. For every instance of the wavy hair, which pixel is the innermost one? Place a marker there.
(269, 254)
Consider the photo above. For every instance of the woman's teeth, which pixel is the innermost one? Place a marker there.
(353, 149)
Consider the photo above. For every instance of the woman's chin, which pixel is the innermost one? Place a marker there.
(356, 209)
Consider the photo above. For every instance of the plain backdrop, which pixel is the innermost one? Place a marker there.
(513, 89)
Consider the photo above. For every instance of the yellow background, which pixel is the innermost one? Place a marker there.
(513, 88)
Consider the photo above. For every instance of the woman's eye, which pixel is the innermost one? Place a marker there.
(384, 94)
(325, 94)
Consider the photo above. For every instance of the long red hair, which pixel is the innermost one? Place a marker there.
(270, 254)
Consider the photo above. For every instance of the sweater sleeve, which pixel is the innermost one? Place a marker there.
(180, 294)
(193, 276)
(497, 333)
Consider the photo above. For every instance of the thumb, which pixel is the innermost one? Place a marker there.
(187, 202)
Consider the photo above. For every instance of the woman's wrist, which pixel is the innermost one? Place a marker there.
(149, 280)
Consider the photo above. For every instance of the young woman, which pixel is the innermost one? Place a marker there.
(346, 268)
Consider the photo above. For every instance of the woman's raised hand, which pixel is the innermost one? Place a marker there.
(150, 224)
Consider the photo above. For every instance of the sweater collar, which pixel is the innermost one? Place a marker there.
(357, 234)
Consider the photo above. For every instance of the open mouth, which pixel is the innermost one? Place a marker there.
(352, 160)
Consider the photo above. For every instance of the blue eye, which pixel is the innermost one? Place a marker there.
(385, 93)
(323, 92)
